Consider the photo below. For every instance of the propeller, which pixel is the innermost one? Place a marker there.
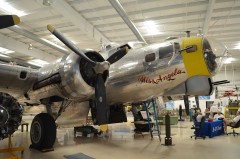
(99, 68)
(8, 20)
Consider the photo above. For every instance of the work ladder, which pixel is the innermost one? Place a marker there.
(147, 106)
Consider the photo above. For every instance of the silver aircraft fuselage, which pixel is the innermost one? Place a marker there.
(132, 79)
(145, 72)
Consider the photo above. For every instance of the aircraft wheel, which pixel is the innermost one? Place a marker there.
(43, 131)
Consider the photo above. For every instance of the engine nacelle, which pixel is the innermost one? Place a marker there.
(78, 76)
(196, 85)
(71, 77)
(10, 115)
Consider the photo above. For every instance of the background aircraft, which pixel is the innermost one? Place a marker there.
(227, 92)
(174, 67)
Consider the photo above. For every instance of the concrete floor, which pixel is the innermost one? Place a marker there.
(220, 147)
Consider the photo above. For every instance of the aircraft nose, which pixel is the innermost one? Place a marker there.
(200, 60)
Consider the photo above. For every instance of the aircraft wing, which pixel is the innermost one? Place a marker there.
(16, 80)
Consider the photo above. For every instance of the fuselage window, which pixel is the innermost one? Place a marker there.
(177, 46)
(150, 57)
(23, 74)
(166, 51)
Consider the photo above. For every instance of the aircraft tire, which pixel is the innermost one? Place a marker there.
(43, 131)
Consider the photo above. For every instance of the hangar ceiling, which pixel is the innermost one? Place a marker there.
(92, 23)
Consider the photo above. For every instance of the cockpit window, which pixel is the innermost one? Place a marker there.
(166, 51)
(209, 56)
(150, 57)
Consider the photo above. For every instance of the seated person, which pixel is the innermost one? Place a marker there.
(207, 112)
(219, 116)
(213, 110)
(199, 116)
(235, 120)
(197, 109)
(238, 111)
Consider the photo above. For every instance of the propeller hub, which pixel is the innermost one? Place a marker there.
(100, 67)
(4, 116)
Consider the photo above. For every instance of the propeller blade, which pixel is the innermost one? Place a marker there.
(101, 100)
(69, 44)
(118, 55)
(8, 20)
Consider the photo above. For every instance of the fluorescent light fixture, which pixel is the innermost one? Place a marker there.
(6, 7)
(151, 27)
(228, 60)
(237, 46)
(5, 51)
(4, 56)
(9, 52)
(38, 62)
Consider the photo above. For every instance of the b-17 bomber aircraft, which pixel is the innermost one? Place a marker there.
(127, 74)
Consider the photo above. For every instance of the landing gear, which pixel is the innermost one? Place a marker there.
(116, 113)
(43, 132)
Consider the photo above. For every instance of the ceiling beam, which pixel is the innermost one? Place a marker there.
(18, 62)
(118, 7)
(79, 21)
(34, 37)
(208, 17)
(22, 48)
